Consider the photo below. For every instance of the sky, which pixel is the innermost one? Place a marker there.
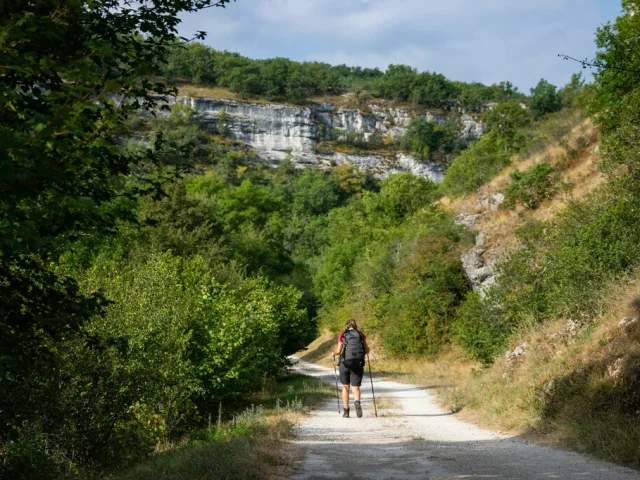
(485, 41)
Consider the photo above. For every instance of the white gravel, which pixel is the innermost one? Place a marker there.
(421, 441)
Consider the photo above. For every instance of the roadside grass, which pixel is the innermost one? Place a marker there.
(576, 386)
(387, 405)
(253, 444)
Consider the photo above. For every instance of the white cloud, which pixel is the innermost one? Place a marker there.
(467, 40)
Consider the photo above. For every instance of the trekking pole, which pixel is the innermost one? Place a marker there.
(375, 407)
(335, 374)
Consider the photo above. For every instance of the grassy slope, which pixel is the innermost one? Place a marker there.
(572, 153)
(569, 388)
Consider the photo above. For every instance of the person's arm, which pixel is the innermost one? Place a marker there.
(338, 350)
(366, 347)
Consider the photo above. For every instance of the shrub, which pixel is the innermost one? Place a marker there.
(476, 165)
(426, 139)
(532, 187)
(478, 328)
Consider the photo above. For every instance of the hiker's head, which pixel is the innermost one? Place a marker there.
(351, 325)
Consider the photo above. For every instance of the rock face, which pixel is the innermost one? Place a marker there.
(480, 273)
(277, 132)
(479, 263)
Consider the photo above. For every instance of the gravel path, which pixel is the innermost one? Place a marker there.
(421, 441)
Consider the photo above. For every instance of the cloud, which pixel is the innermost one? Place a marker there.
(466, 40)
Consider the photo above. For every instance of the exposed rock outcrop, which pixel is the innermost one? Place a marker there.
(479, 263)
(479, 272)
(277, 132)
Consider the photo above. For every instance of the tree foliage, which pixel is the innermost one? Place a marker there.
(545, 99)
(429, 140)
(283, 79)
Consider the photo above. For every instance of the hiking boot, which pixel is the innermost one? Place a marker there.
(345, 413)
(358, 410)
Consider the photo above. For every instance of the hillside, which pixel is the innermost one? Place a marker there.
(546, 344)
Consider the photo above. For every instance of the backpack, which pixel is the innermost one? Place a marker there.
(353, 349)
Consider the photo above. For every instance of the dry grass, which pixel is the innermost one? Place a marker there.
(346, 101)
(387, 406)
(598, 357)
(188, 90)
(319, 350)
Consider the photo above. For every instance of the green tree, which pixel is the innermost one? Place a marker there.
(403, 194)
(423, 138)
(573, 92)
(275, 76)
(506, 119)
(544, 99)
(432, 90)
(397, 82)
(616, 104)
(193, 62)
(313, 194)
(246, 81)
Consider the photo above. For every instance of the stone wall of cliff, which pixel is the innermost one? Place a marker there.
(277, 132)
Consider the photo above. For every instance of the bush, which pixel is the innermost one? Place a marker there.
(476, 165)
(173, 344)
(478, 328)
(532, 187)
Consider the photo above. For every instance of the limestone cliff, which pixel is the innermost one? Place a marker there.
(276, 132)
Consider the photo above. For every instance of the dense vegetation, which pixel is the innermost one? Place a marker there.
(254, 443)
(565, 291)
(205, 293)
(393, 259)
(283, 79)
(133, 300)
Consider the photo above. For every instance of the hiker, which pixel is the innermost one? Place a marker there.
(352, 348)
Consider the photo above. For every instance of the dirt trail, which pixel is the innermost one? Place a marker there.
(421, 441)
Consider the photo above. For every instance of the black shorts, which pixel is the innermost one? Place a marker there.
(351, 376)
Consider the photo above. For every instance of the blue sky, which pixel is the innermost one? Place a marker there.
(486, 41)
